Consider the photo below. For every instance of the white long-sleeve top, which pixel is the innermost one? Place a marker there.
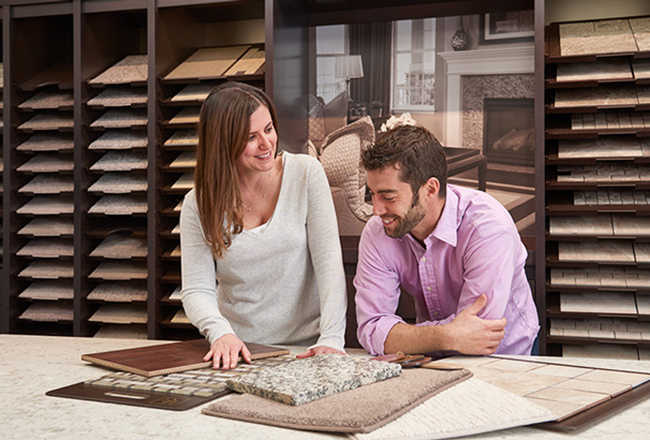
(280, 283)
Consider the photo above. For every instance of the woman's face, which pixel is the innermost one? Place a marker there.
(262, 142)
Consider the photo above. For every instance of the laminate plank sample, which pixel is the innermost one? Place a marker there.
(249, 64)
(183, 138)
(185, 181)
(194, 92)
(59, 74)
(184, 160)
(176, 294)
(601, 251)
(604, 36)
(207, 63)
(642, 252)
(630, 224)
(121, 331)
(120, 314)
(121, 118)
(643, 303)
(601, 69)
(187, 115)
(133, 68)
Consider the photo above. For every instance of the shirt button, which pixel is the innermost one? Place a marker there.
(436, 314)
(428, 288)
(424, 259)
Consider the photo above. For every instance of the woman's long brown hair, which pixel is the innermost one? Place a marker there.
(224, 127)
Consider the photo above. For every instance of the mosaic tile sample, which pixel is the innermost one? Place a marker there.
(120, 96)
(121, 161)
(120, 140)
(119, 292)
(121, 118)
(47, 163)
(306, 380)
(48, 290)
(48, 99)
(601, 69)
(132, 68)
(119, 183)
(121, 246)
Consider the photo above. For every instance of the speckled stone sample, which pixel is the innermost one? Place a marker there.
(132, 68)
(119, 292)
(48, 184)
(46, 248)
(121, 161)
(641, 68)
(120, 205)
(48, 270)
(601, 69)
(183, 138)
(46, 205)
(48, 290)
(48, 99)
(48, 121)
(47, 163)
(605, 36)
(120, 140)
(306, 380)
(48, 142)
(120, 270)
(194, 92)
(641, 29)
(119, 183)
(121, 246)
(120, 96)
(121, 118)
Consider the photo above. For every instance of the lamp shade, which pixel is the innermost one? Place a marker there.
(349, 66)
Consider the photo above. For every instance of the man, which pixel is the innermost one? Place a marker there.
(455, 250)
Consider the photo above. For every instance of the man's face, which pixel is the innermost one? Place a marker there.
(394, 201)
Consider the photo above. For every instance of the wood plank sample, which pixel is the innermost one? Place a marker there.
(249, 64)
(187, 115)
(120, 96)
(182, 138)
(169, 358)
(120, 314)
(120, 271)
(48, 312)
(207, 63)
(194, 92)
(186, 159)
(47, 270)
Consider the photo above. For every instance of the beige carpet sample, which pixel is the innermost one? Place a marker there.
(121, 331)
(48, 99)
(205, 63)
(601, 69)
(120, 314)
(121, 246)
(46, 248)
(120, 140)
(250, 63)
(362, 409)
(194, 92)
(120, 96)
(119, 183)
(50, 290)
(47, 163)
(121, 118)
(48, 184)
(48, 312)
(119, 292)
(121, 161)
(47, 142)
(120, 205)
(48, 227)
(47, 270)
(47, 205)
(183, 138)
(48, 120)
(132, 68)
(120, 271)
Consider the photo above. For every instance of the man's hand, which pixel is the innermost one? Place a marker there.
(321, 349)
(469, 334)
(225, 350)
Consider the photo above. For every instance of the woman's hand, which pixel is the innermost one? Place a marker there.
(225, 350)
(321, 349)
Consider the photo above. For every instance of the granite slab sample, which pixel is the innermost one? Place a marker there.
(601, 69)
(306, 380)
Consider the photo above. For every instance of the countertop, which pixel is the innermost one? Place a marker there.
(33, 365)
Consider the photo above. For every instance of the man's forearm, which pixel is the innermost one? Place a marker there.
(411, 339)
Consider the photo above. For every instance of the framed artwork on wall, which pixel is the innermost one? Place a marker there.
(507, 27)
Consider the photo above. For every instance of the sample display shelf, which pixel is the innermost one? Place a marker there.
(598, 188)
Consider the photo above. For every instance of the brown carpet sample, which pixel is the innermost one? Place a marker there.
(47, 142)
(362, 409)
(120, 96)
(49, 99)
(121, 331)
(48, 227)
(186, 137)
(48, 184)
(47, 163)
(195, 92)
(120, 271)
(119, 292)
(119, 183)
(120, 314)
(47, 205)
(120, 205)
(209, 62)
(48, 312)
(48, 121)
(121, 161)
(47, 248)
(121, 246)
(121, 118)
(131, 69)
(120, 140)
(187, 115)
(48, 290)
(48, 270)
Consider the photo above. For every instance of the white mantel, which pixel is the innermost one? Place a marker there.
(503, 60)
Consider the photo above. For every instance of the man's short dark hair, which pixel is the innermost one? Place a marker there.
(415, 151)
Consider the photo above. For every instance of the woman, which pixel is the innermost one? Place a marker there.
(261, 258)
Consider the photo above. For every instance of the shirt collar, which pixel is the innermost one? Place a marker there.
(447, 227)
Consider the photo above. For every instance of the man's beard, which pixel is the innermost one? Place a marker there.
(405, 224)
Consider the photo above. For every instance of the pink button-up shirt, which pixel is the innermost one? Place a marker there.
(474, 249)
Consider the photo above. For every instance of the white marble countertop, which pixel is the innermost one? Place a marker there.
(33, 365)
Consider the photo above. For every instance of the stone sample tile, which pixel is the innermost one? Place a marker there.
(120, 183)
(586, 399)
(601, 251)
(643, 304)
(518, 383)
(47, 142)
(604, 36)
(602, 69)
(597, 96)
(598, 302)
(605, 146)
(120, 205)
(641, 68)
(605, 351)
(631, 224)
(641, 30)
(121, 161)
(470, 362)
(618, 377)
(47, 163)
(561, 409)
(586, 225)
(306, 380)
(511, 366)
(592, 386)
(561, 371)
(48, 99)
(48, 184)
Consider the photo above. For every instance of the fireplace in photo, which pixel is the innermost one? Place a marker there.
(508, 131)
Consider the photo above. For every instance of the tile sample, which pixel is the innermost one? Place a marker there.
(119, 183)
(120, 270)
(598, 302)
(47, 270)
(601, 251)
(604, 36)
(562, 410)
(517, 383)
(119, 292)
(641, 29)
(48, 120)
(596, 96)
(121, 246)
(121, 118)
(585, 399)
(617, 377)
(585, 225)
(48, 312)
(186, 181)
(631, 224)
(643, 303)
(120, 96)
(120, 205)
(641, 68)
(121, 161)
(47, 163)
(47, 142)
(48, 184)
(642, 252)
(48, 99)
(46, 248)
(604, 351)
(604, 146)
(601, 69)
(184, 160)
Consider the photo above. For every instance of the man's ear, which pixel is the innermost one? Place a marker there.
(432, 187)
